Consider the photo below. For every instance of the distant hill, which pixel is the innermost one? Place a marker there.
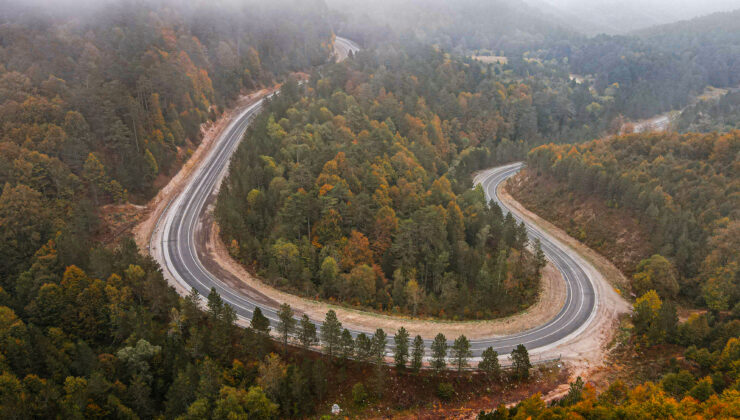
(719, 25)
(467, 24)
(624, 16)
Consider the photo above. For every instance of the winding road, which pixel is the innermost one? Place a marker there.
(177, 244)
(343, 46)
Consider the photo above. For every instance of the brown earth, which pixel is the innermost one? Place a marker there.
(612, 232)
(587, 353)
(551, 298)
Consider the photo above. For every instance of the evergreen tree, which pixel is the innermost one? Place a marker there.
(520, 360)
(401, 351)
(417, 354)
(489, 363)
(286, 324)
(331, 331)
(347, 345)
(363, 348)
(307, 332)
(439, 353)
(461, 352)
(260, 323)
(378, 347)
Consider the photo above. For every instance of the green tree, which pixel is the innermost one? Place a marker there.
(94, 173)
(359, 395)
(307, 332)
(575, 393)
(24, 226)
(347, 345)
(439, 353)
(286, 325)
(363, 348)
(417, 354)
(461, 353)
(656, 273)
(520, 361)
(489, 363)
(233, 403)
(260, 323)
(286, 256)
(328, 274)
(401, 350)
(378, 347)
(331, 331)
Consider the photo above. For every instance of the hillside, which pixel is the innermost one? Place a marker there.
(621, 17)
(499, 25)
(362, 194)
(680, 191)
(354, 189)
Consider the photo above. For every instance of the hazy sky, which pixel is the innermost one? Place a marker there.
(626, 15)
(591, 16)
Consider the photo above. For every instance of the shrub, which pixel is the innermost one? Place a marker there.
(445, 391)
(359, 394)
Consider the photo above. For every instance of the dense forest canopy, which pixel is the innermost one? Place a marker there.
(684, 189)
(360, 190)
(661, 68)
(93, 110)
(640, 74)
(353, 186)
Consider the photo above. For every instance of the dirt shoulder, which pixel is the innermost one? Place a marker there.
(586, 352)
(211, 132)
(215, 256)
(613, 233)
(551, 299)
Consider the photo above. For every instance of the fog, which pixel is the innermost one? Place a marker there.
(585, 16)
(620, 16)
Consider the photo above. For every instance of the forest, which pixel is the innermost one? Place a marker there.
(97, 109)
(105, 109)
(358, 186)
(636, 75)
(354, 187)
(684, 189)
(721, 114)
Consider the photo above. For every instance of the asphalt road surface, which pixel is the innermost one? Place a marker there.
(180, 240)
(343, 46)
(177, 244)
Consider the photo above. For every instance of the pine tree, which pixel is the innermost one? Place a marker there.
(401, 352)
(363, 348)
(347, 345)
(439, 352)
(520, 359)
(286, 325)
(307, 332)
(260, 323)
(417, 355)
(331, 331)
(379, 341)
(461, 352)
(489, 363)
